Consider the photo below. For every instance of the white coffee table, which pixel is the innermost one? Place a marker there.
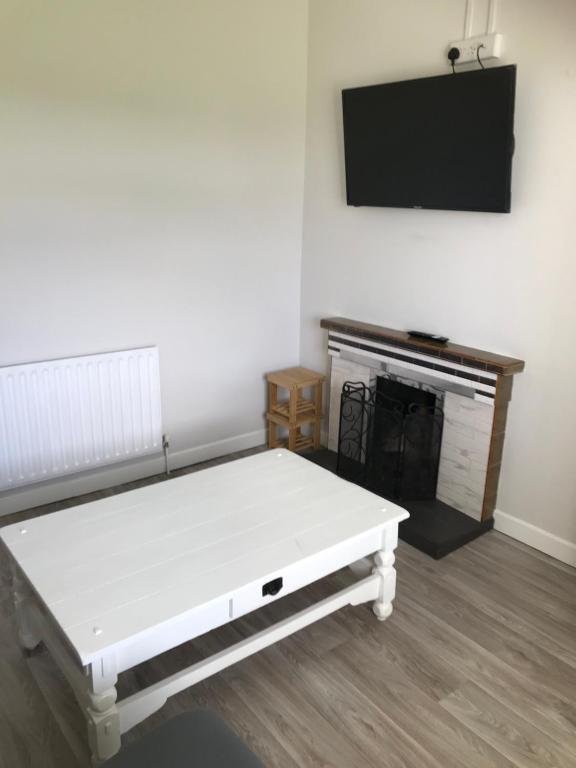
(109, 584)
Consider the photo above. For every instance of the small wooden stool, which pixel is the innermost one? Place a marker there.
(295, 411)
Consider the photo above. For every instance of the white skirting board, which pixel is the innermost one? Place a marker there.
(107, 477)
(549, 543)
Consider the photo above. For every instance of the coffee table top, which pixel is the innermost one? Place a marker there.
(124, 565)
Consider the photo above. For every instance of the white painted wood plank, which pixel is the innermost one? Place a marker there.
(80, 576)
(150, 502)
(138, 648)
(135, 526)
(188, 569)
(219, 502)
(126, 623)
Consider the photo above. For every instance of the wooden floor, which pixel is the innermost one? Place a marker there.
(476, 668)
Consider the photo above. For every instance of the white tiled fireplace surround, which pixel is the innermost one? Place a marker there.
(468, 411)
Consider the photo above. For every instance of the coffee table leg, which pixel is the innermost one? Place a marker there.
(101, 712)
(384, 567)
(23, 600)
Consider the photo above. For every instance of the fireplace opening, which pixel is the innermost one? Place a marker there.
(390, 439)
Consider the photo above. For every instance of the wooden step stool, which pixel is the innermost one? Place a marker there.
(296, 411)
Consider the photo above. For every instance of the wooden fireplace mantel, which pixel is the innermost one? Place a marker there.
(477, 358)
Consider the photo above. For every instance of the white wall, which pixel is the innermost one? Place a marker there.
(152, 170)
(504, 283)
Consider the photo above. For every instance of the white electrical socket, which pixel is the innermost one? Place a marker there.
(490, 48)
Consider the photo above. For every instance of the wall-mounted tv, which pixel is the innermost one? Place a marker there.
(438, 142)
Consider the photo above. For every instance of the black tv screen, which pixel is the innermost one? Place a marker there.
(438, 142)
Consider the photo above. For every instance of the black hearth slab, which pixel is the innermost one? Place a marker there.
(433, 527)
(438, 529)
(323, 457)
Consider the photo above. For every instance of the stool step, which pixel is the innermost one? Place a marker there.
(280, 413)
(283, 421)
(303, 442)
(303, 407)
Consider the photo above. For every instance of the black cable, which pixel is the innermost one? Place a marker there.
(453, 70)
(478, 55)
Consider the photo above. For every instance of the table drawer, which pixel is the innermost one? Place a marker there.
(284, 581)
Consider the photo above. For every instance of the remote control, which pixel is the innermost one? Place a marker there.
(428, 336)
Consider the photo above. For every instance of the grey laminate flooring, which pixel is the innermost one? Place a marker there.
(476, 668)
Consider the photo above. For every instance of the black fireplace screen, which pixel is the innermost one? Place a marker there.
(389, 439)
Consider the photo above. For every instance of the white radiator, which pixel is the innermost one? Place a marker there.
(65, 416)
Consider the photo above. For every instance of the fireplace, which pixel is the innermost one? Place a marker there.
(422, 423)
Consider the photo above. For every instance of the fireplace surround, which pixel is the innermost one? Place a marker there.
(468, 389)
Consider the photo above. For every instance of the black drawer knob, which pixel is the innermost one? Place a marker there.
(272, 587)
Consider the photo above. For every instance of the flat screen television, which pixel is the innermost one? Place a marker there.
(438, 142)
